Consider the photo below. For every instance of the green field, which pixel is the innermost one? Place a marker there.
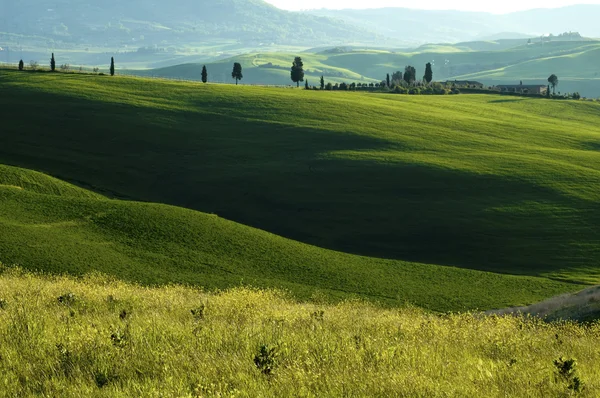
(442, 187)
(97, 337)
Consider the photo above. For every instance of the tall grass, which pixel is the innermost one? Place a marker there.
(96, 336)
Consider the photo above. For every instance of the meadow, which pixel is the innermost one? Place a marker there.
(415, 188)
(100, 337)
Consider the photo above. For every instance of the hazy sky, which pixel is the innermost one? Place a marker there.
(466, 5)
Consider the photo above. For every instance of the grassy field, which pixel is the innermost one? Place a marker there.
(103, 338)
(505, 185)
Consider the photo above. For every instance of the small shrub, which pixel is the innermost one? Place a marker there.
(198, 313)
(119, 338)
(96, 70)
(2, 303)
(67, 299)
(318, 315)
(566, 370)
(266, 359)
(33, 65)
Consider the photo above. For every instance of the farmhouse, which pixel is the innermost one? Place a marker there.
(524, 88)
(464, 83)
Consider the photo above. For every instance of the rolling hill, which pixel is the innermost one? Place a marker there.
(478, 183)
(500, 62)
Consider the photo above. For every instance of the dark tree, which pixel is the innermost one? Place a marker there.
(396, 77)
(237, 72)
(306, 85)
(204, 74)
(21, 65)
(428, 73)
(52, 63)
(387, 80)
(553, 80)
(410, 74)
(322, 82)
(297, 71)
(548, 91)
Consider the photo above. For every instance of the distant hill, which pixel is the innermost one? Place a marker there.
(491, 62)
(423, 26)
(114, 23)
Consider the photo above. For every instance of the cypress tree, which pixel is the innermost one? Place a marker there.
(204, 74)
(387, 80)
(21, 65)
(237, 72)
(428, 73)
(322, 83)
(410, 74)
(297, 73)
(52, 63)
(306, 85)
(112, 66)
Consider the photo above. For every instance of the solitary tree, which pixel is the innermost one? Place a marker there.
(297, 71)
(237, 72)
(553, 80)
(204, 74)
(306, 86)
(387, 80)
(322, 82)
(112, 66)
(21, 65)
(410, 74)
(428, 73)
(52, 63)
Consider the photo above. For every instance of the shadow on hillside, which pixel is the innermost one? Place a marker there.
(280, 179)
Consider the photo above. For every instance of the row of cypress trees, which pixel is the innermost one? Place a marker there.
(53, 65)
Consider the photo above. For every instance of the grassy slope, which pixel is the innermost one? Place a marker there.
(158, 348)
(483, 182)
(53, 226)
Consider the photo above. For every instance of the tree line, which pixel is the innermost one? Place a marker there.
(398, 82)
(33, 65)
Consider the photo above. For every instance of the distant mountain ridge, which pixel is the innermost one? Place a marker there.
(140, 23)
(174, 22)
(426, 26)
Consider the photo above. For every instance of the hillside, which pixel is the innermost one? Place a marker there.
(138, 23)
(498, 184)
(500, 62)
(429, 26)
(55, 227)
(99, 337)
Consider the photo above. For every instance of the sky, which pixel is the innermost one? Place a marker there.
(497, 7)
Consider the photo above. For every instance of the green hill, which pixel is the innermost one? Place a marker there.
(500, 62)
(490, 183)
(52, 226)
